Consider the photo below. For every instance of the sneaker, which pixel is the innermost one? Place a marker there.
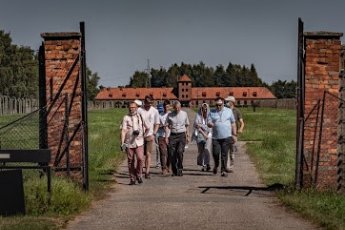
(203, 168)
(158, 165)
(224, 174)
(215, 170)
(229, 170)
(132, 182)
(140, 180)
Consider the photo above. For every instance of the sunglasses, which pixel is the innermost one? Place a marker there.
(219, 105)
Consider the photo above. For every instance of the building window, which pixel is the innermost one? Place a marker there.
(186, 90)
(182, 96)
(124, 95)
(203, 94)
(182, 90)
(231, 94)
(110, 95)
(137, 94)
(255, 94)
(164, 94)
(244, 94)
(217, 94)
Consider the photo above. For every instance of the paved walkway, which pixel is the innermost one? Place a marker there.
(198, 200)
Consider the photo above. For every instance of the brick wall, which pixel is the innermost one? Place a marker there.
(61, 52)
(322, 56)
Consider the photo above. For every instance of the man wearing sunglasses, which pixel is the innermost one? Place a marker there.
(224, 132)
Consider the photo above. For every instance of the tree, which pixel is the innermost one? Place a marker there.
(253, 78)
(18, 69)
(230, 78)
(219, 76)
(284, 89)
(140, 79)
(92, 82)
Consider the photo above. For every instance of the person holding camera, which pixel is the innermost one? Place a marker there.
(132, 142)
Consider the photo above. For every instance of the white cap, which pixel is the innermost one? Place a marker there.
(138, 102)
(231, 98)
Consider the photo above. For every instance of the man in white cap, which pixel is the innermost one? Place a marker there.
(230, 102)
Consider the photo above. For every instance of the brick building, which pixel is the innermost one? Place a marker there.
(185, 92)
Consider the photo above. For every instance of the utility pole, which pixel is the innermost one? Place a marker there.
(147, 70)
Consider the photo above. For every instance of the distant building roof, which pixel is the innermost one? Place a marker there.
(249, 93)
(122, 93)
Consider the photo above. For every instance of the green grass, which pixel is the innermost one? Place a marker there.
(270, 136)
(68, 199)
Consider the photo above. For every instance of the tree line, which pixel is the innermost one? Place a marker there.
(233, 75)
(19, 71)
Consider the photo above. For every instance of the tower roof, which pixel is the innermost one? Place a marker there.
(184, 78)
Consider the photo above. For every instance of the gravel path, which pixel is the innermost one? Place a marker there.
(198, 200)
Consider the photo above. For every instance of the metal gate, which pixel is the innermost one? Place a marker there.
(300, 108)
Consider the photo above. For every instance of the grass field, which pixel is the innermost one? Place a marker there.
(270, 136)
(67, 198)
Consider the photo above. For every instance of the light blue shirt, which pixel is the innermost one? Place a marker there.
(222, 121)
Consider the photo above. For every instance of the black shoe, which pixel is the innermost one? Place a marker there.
(180, 172)
(215, 170)
(132, 182)
(140, 180)
(224, 174)
(203, 168)
(208, 168)
(147, 176)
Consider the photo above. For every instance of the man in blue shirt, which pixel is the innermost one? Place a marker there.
(222, 122)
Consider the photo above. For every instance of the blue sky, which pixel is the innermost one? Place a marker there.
(122, 35)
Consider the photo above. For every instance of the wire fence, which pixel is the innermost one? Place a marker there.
(20, 131)
(10, 105)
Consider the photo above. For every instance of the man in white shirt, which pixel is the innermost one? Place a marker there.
(178, 122)
(150, 116)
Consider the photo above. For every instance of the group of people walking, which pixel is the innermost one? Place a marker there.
(215, 132)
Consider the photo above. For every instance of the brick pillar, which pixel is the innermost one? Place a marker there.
(62, 67)
(322, 56)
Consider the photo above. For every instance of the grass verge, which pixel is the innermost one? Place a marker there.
(270, 135)
(68, 199)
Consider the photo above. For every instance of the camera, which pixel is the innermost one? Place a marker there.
(135, 132)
